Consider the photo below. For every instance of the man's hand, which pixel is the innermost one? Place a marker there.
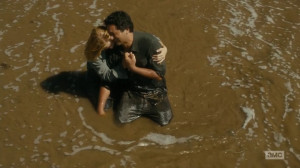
(129, 60)
(129, 63)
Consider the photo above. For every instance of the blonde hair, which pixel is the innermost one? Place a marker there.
(95, 43)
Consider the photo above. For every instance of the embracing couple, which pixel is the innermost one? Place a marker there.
(128, 67)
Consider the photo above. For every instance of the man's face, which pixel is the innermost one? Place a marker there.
(119, 37)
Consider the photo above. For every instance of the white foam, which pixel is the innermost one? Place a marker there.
(22, 136)
(93, 6)
(90, 147)
(21, 159)
(52, 7)
(166, 139)
(47, 140)
(68, 122)
(29, 61)
(83, 64)
(214, 60)
(11, 86)
(246, 55)
(19, 77)
(94, 139)
(125, 142)
(288, 85)
(28, 6)
(59, 32)
(10, 49)
(295, 154)
(250, 115)
(96, 13)
(76, 150)
(253, 17)
(63, 134)
(250, 132)
(101, 135)
(234, 31)
(127, 162)
(35, 68)
(55, 69)
(265, 110)
(46, 48)
(264, 67)
(2, 33)
(270, 20)
(105, 149)
(98, 22)
(279, 138)
(37, 139)
(80, 136)
(287, 109)
(73, 49)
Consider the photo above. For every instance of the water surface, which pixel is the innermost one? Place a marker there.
(232, 72)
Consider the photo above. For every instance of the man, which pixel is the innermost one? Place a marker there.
(147, 93)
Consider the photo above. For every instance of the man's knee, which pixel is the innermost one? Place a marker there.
(127, 119)
(126, 115)
(166, 118)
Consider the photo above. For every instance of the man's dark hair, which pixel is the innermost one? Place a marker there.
(120, 19)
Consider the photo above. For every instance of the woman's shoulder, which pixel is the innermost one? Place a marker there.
(104, 54)
(111, 57)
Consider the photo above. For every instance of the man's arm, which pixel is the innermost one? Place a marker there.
(129, 63)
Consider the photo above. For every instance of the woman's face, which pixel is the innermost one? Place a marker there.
(106, 38)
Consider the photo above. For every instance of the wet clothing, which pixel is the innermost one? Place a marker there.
(108, 69)
(145, 97)
(154, 105)
(136, 96)
(144, 46)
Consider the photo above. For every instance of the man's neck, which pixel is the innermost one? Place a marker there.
(129, 42)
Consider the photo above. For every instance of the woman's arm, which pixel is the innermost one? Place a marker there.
(161, 54)
(105, 72)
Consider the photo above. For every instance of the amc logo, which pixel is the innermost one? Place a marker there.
(274, 155)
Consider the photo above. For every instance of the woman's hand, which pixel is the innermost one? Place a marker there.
(161, 54)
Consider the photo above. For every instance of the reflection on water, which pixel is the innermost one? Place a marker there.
(233, 78)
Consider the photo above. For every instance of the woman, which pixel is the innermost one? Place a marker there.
(105, 64)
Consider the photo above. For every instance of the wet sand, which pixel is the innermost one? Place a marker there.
(233, 78)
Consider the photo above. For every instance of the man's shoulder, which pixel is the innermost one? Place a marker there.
(146, 39)
(143, 35)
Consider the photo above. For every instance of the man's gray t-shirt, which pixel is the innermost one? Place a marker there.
(144, 46)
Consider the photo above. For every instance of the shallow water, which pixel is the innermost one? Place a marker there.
(232, 72)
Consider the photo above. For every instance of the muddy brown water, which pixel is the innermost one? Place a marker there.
(233, 77)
